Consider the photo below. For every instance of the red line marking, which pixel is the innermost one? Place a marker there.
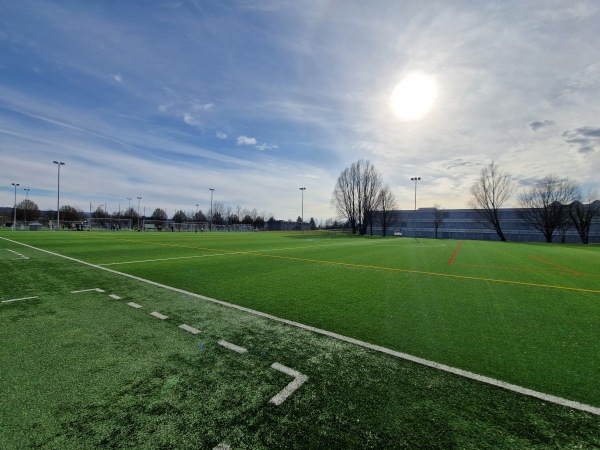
(556, 265)
(455, 252)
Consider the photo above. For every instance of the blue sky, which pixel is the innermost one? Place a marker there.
(255, 99)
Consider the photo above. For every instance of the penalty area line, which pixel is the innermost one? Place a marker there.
(405, 356)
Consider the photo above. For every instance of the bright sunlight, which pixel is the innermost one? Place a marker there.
(414, 96)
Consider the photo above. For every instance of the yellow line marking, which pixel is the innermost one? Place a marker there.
(363, 266)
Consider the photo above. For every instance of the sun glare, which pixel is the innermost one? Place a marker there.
(414, 96)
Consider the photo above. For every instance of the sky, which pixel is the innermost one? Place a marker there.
(165, 100)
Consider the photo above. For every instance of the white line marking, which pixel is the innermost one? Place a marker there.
(299, 380)
(192, 330)
(222, 446)
(463, 373)
(159, 315)
(17, 299)
(20, 256)
(165, 259)
(230, 346)
(116, 297)
(87, 290)
(134, 305)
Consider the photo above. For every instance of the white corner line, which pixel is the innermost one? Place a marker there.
(230, 346)
(192, 330)
(405, 356)
(299, 380)
(159, 315)
(17, 299)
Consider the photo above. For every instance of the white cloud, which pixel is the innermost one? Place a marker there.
(264, 146)
(245, 140)
(221, 135)
(118, 78)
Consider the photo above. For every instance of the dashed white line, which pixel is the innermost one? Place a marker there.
(230, 346)
(116, 297)
(18, 254)
(299, 380)
(192, 330)
(134, 305)
(159, 315)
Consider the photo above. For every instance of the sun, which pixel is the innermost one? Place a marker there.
(414, 96)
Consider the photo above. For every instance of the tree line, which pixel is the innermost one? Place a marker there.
(28, 210)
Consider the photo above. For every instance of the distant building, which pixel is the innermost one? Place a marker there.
(467, 224)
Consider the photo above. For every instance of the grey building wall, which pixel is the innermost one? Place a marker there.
(466, 224)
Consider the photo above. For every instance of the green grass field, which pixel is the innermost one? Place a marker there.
(84, 370)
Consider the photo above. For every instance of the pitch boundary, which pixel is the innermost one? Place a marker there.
(405, 356)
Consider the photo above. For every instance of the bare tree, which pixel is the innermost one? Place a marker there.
(582, 216)
(70, 214)
(159, 214)
(490, 192)
(27, 210)
(180, 217)
(387, 203)
(356, 194)
(545, 205)
(438, 218)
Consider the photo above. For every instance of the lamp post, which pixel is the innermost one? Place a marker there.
(302, 189)
(415, 179)
(58, 163)
(14, 227)
(138, 199)
(130, 215)
(211, 210)
(25, 204)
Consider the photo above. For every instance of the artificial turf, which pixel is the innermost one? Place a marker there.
(87, 371)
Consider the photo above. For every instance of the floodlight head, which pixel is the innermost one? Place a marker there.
(15, 184)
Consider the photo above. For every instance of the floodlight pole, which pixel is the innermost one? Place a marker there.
(130, 215)
(302, 189)
(25, 209)
(211, 210)
(14, 226)
(138, 199)
(58, 163)
(415, 179)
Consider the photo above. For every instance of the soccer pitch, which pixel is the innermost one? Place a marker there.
(289, 340)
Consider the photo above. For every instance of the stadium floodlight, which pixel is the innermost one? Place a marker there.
(14, 225)
(211, 210)
(415, 179)
(25, 208)
(58, 163)
(130, 214)
(139, 198)
(302, 216)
